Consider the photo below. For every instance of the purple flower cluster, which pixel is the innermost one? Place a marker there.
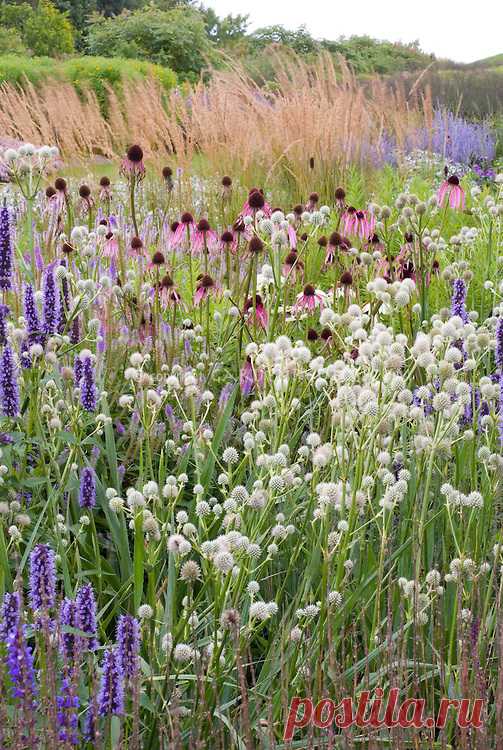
(4, 314)
(21, 671)
(88, 395)
(128, 645)
(9, 390)
(68, 616)
(87, 491)
(33, 324)
(42, 578)
(86, 616)
(111, 693)
(51, 302)
(5, 249)
(10, 614)
(458, 300)
(456, 139)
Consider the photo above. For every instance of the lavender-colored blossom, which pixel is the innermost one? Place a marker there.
(42, 578)
(458, 300)
(4, 314)
(9, 390)
(51, 302)
(128, 645)
(21, 672)
(87, 491)
(33, 324)
(456, 139)
(9, 615)
(5, 249)
(499, 343)
(67, 716)
(111, 693)
(64, 302)
(75, 331)
(86, 616)
(68, 617)
(88, 395)
(500, 410)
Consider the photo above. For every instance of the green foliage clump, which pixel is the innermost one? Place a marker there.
(42, 30)
(175, 38)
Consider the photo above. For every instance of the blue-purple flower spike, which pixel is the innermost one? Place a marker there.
(458, 301)
(4, 314)
(33, 324)
(88, 394)
(51, 302)
(499, 344)
(5, 249)
(128, 644)
(87, 491)
(86, 616)
(111, 694)
(42, 578)
(9, 615)
(9, 390)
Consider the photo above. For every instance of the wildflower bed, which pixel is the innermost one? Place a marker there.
(246, 456)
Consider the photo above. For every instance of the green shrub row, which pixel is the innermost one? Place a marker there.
(95, 72)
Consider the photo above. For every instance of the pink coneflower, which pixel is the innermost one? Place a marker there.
(58, 195)
(292, 237)
(86, 200)
(312, 202)
(358, 223)
(451, 187)
(336, 244)
(261, 315)
(132, 165)
(105, 189)
(310, 299)
(111, 246)
(256, 202)
(203, 237)
(136, 248)
(168, 294)
(226, 187)
(340, 199)
(293, 266)
(250, 378)
(183, 231)
(205, 287)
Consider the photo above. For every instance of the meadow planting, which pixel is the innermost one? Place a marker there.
(251, 417)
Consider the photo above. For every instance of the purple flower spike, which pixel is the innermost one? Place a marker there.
(111, 694)
(9, 391)
(88, 396)
(51, 302)
(458, 300)
(86, 616)
(4, 314)
(128, 644)
(5, 249)
(21, 673)
(9, 615)
(42, 578)
(68, 616)
(499, 343)
(87, 492)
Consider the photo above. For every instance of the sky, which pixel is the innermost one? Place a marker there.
(462, 30)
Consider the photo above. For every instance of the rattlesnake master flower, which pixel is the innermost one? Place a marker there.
(111, 693)
(42, 578)
(5, 249)
(9, 390)
(86, 616)
(50, 303)
(458, 300)
(128, 645)
(87, 491)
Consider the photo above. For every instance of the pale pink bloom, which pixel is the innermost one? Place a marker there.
(262, 317)
(203, 236)
(205, 287)
(250, 378)
(256, 202)
(310, 299)
(358, 223)
(454, 191)
(292, 237)
(292, 266)
(132, 165)
(111, 246)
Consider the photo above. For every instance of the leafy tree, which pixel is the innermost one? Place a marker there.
(227, 30)
(176, 38)
(44, 30)
(300, 40)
